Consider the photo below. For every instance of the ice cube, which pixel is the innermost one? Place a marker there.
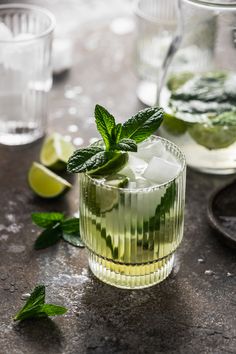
(5, 32)
(21, 53)
(128, 172)
(142, 182)
(160, 170)
(147, 150)
(136, 164)
(169, 157)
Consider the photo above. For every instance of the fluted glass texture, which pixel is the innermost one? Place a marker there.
(132, 234)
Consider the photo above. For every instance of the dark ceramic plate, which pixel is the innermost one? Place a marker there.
(222, 212)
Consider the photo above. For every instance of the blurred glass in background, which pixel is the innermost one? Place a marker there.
(25, 70)
(156, 24)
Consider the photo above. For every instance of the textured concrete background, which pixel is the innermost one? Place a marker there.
(190, 312)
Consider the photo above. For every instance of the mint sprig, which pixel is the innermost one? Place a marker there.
(105, 125)
(143, 124)
(35, 306)
(56, 228)
(117, 139)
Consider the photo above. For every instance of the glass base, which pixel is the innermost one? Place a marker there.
(130, 276)
(19, 134)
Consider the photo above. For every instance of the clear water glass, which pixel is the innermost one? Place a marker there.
(156, 24)
(132, 234)
(25, 69)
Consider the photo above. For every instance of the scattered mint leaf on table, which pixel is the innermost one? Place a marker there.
(73, 239)
(68, 229)
(48, 237)
(70, 226)
(46, 220)
(116, 137)
(35, 306)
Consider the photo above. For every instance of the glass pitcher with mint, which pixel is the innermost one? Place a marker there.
(199, 85)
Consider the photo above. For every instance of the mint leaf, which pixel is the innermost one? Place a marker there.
(36, 298)
(126, 145)
(52, 310)
(35, 306)
(46, 220)
(48, 237)
(70, 226)
(71, 232)
(143, 124)
(88, 159)
(116, 133)
(226, 118)
(73, 239)
(105, 123)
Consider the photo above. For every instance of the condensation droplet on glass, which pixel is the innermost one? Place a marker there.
(78, 141)
(72, 128)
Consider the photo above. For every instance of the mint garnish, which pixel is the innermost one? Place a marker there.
(97, 158)
(143, 124)
(56, 227)
(35, 306)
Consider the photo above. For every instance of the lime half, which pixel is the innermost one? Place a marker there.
(45, 183)
(55, 152)
(112, 166)
(213, 136)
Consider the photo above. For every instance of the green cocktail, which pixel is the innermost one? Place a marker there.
(132, 194)
(132, 232)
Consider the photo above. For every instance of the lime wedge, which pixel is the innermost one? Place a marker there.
(174, 125)
(213, 137)
(45, 183)
(118, 181)
(112, 166)
(55, 152)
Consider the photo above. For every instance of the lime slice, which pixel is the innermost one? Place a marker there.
(174, 125)
(55, 152)
(112, 166)
(213, 137)
(178, 80)
(118, 181)
(45, 183)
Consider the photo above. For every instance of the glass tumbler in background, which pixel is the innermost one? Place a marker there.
(132, 234)
(25, 70)
(156, 24)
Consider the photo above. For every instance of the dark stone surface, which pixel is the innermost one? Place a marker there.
(190, 312)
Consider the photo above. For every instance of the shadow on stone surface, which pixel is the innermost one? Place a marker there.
(40, 335)
(149, 320)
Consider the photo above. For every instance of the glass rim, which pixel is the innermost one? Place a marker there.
(222, 3)
(145, 189)
(143, 15)
(35, 8)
